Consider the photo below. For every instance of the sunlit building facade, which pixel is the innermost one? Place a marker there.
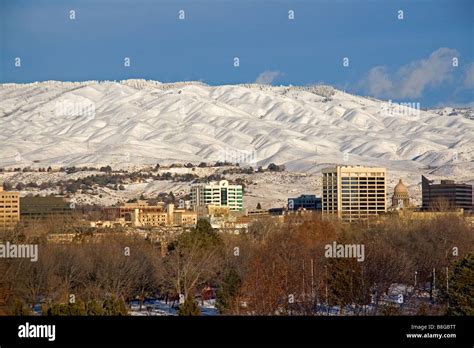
(354, 192)
(220, 194)
(9, 209)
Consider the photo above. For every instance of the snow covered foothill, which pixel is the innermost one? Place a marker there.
(135, 124)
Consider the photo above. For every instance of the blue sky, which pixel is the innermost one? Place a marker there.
(403, 60)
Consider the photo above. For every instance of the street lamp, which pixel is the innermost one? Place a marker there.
(352, 275)
(327, 302)
(447, 284)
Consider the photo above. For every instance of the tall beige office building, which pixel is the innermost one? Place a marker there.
(354, 192)
(9, 209)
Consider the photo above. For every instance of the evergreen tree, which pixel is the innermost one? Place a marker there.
(202, 235)
(228, 291)
(65, 309)
(114, 306)
(461, 287)
(94, 308)
(189, 308)
(19, 308)
(259, 206)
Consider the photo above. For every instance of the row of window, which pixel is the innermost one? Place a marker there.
(355, 181)
(355, 209)
(371, 190)
(355, 175)
(363, 195)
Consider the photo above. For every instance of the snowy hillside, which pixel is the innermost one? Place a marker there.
(147, 122)
(450, 111)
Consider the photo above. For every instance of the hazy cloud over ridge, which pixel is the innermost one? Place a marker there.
(410, 80)
(468, 81)
(267, 77)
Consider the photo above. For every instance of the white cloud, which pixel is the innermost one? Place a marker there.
(267, 77)
(412, 79)
(378, 82)
(468, 81)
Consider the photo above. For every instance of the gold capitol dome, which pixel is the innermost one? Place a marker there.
(401, 197)
(400, 189)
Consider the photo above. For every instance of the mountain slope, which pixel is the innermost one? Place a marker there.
(147, 122)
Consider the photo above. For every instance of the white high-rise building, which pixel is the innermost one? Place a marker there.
(354, 192)
(218, 194)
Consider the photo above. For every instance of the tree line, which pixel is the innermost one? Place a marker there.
(274, 269)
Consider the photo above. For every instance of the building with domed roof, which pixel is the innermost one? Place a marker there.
(401, 197)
